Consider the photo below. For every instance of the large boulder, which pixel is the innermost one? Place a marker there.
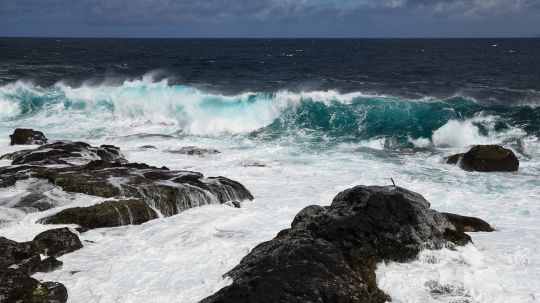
(57, 242)
(25, 136)
(486, 158)
(16, 286)
(107, 214)
(330, 253)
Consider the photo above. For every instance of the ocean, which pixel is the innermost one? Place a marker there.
(296, 121)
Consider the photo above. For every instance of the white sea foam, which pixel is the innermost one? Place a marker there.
(466, 132)
(182, 258)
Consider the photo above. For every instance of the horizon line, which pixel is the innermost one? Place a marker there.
(269, 37)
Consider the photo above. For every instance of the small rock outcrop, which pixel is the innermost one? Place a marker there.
(66, 152)
(20, 260)
(107, 214)
(25, 136)
(21, 255)
(468, 224)
(486, 158)
(15, 286)
(194, 151)
(330, 253)
(56, 242)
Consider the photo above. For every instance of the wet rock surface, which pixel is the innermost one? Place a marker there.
(20, 260)
(468, 224)
(25, 136)
(16, 286)
(77, 167)
(486, 158)
(64, 152)
(107, 214)
(330, 253)
(139, 190)
(56, 242)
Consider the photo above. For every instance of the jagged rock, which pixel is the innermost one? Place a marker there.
(25, 136)
(194, 151)
(64, 152)
(107, 214)
(486, 158)
(330, 253)
(21, 256)
(49, 264)
(168, 191)
(57, 242)
(77, 167)
(16, 286)
(468, 224)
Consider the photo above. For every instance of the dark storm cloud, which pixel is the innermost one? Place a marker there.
(270, 17)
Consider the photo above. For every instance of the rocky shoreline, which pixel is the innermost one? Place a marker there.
(133, 193)
(328, 255)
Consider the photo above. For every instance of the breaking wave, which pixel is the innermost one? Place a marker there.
(148, 106)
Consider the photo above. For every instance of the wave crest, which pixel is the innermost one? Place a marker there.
(148, 106)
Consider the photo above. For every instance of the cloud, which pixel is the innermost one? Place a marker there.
(352, 17)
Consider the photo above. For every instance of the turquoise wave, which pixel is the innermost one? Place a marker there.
(324, 117)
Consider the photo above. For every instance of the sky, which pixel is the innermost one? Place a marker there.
(270, 18)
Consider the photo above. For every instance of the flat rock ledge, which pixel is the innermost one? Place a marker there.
(18, 261)
(330, 253)
(138, 192)
(485, 158)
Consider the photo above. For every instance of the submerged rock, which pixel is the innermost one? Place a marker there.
(107, 214)
(330, 253)
(194, 151)
(25, 136)
(148, 147)
(56, 242)
(486, 158)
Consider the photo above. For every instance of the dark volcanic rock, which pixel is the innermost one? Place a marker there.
(453, 159)
(15, 286)
(64, 152)
(56, 242)
(49, 264)
(168, 191)
(468, 224)
(25, 136)
(486, 158)
(194, 151)
(330, 253)
(107, 214)
(20, 255)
